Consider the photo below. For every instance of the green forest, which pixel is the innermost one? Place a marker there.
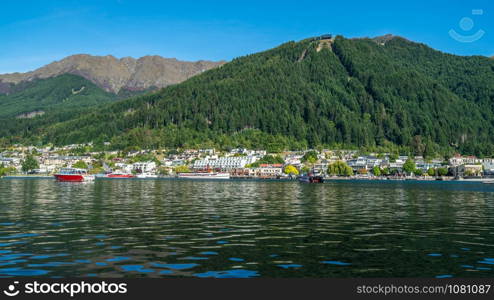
(52, 94)
(395, 95)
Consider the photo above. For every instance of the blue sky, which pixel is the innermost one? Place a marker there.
(34, 33)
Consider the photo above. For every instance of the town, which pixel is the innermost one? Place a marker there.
(241, 163)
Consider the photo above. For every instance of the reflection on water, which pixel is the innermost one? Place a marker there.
(242, 229)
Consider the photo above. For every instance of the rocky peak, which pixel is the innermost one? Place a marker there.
(113, 74)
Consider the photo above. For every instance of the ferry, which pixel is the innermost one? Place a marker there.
(73, 175)
(204, 175)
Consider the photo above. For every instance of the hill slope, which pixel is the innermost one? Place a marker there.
(27, 99)
(352, 92)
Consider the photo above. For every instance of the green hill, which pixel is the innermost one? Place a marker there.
(384, 93)
(61, 92)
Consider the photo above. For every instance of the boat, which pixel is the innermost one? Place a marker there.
(119, 175)
(146, 175)
(310, 178)
(204, 175)
(73, 175)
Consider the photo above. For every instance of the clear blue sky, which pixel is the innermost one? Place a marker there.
(34, 33)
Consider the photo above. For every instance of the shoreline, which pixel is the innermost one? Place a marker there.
(326, 180)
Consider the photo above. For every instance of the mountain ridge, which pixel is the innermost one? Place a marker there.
(113, 74)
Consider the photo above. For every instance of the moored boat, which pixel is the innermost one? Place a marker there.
(309, 178)
(146, 175)
(119, 175)
(73, 175)
(204, 175)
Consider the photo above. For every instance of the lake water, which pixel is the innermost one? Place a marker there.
(169, 228)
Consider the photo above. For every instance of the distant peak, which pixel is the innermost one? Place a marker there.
(113, 74)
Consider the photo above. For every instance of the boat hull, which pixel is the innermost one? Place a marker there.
(146, 176)
(204, 175)
(119, 176)
(73, 178)
(311, 179)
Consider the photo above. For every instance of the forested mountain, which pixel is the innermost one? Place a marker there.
(27, 99)
(386, 93)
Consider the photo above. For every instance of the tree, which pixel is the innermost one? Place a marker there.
(386, 171)
(80, 165)
(310, 157)
(268, 159)
(417, 146)
(163, 171)
(418, 172)
(340, 168)
(409, 166)
(393, 157)
(3, 170)
(442, 171)
(29, 164)
(7, 170)
(291, 170)
(431, 172)
(376, 171)
(182, 169)
(97, 170)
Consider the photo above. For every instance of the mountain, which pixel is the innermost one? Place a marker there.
(114, 75)
(387, 93)
(33, 98)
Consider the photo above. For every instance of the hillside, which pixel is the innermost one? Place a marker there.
(114, 75)
(28, 99)
(387, 93)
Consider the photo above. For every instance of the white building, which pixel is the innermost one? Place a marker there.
(144, 167)
(267, 171)
(458, 160)
(488, 165)
(225, 163)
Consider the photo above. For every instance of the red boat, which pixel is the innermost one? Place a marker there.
(73, 175)
(119, 175)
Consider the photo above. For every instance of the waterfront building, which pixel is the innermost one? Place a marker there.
(462, 160)
(224, 163)
(125, 168)
(294, 159)
(488, 166)
(10, 161)
(144, 167)
(357, 164)
(267, 171)
(178, 162)
(467, 170)
(423, 165)
(321, 167)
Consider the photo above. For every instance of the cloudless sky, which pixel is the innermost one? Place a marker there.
(34, 33)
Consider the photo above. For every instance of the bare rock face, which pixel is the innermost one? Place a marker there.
(114, 74)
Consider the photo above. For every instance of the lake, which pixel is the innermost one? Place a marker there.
(186, 228)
